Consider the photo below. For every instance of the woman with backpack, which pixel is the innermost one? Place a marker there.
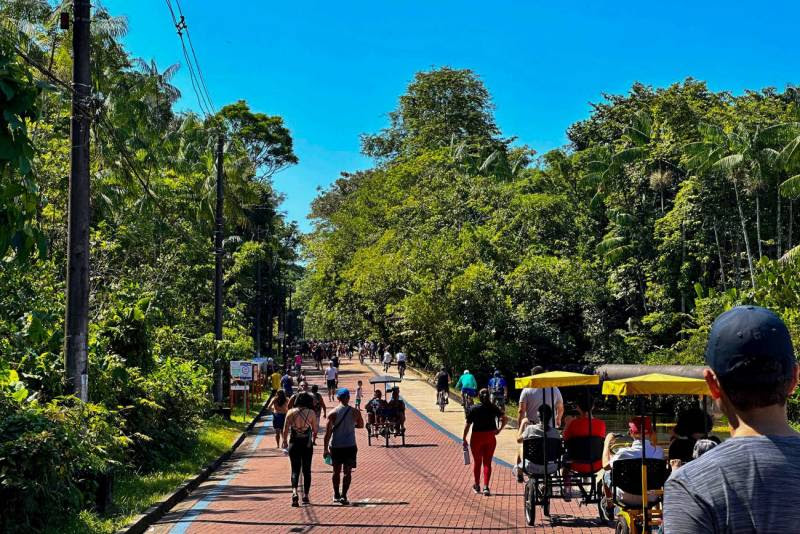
(301, 429)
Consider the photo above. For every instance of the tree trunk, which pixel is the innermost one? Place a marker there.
(791, 223)
(744, 233)
(683, 261)
(778, 223)
(758, 225)
(738, 263)
(719, 254)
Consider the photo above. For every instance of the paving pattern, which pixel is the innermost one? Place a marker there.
(423, 487)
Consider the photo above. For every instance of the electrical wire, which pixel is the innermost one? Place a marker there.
(193, 65)
(194, 55)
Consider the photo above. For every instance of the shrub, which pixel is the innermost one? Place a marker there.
(49, 454)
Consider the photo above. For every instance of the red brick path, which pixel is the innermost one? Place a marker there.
(423, 487)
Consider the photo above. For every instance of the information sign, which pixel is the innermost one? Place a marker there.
(241, 370)
(240, 387)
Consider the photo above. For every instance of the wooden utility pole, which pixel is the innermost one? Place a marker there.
(218, 228)
(258, 300)
(77, 311)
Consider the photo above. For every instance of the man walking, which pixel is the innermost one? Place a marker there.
(331, 376)
(745, 484)
(340, 443)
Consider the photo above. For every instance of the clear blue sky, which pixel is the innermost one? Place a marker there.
(333, 70)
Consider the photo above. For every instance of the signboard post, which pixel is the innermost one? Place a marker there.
(241, 372)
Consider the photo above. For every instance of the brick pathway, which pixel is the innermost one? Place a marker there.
(423, 487)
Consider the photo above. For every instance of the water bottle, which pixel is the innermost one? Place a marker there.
(466, 455)
(327, 459)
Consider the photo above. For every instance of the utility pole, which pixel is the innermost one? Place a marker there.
(258, 301)
(218, 264)
(77, 312)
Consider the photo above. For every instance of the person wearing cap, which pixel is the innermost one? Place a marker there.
(747, 483)
(340, 443)
(636, 426)
(467, 385)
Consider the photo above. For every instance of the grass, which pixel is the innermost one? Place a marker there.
(134, 493)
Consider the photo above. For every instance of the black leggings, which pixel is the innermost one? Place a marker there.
(300, 458)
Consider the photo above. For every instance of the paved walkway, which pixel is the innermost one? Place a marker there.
(423, 487)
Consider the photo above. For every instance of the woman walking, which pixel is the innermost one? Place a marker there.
(301, 427)
(483, 420)
(279, 405)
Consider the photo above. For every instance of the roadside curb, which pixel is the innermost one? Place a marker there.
(146, 519)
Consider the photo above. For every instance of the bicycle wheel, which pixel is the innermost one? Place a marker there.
(530, 502)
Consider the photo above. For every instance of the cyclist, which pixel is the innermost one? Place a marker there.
(387, 360)
(442, 383)
(401, 362)
(499, 390)
(468, 387)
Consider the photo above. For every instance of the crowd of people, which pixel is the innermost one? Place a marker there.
(742, 484)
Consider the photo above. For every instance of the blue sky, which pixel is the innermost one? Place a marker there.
(333, 70)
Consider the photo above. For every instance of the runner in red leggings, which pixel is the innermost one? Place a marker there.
(483, 420)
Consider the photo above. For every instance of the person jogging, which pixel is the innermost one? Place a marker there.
(747, 483)
(340, 443)
(483, 421)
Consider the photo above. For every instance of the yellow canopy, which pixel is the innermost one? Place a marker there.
(655, 384)
(556, 379)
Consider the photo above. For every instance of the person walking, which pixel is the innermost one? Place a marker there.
(331, 376)
(301, 428)
(279, 405)
(287, 384)
(319, 405)
(340, 443)
(745, 484)
(483, 421)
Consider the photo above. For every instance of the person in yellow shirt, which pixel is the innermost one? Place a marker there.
(275, 381)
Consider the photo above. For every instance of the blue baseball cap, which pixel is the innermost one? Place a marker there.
(747, 335)
(342, 392)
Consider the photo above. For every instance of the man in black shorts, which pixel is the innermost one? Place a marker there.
(340, 443)
(442, 382)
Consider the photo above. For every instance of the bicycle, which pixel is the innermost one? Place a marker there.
(466, 399)
(442, 399)
(401, 369)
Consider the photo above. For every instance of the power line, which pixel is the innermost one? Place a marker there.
(193, 65)
(194, 55)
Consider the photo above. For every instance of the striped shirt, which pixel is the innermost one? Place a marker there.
(746, 484)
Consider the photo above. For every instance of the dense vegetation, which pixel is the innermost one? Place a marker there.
(151, 346)
(667, 206)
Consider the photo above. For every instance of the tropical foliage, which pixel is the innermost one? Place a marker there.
(666, 207)
(151, 347)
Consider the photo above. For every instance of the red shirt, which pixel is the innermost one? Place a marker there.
(579, 427)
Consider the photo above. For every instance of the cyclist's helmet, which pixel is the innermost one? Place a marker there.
(444, 368)
(466, 371)
(497, 373)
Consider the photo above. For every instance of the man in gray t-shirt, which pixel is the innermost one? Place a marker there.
(340, 443)
(747, 483)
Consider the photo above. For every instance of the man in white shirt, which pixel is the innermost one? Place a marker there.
(531, 398)
(634, 452)
(401, 362)
(387, 360)
(331, 376)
